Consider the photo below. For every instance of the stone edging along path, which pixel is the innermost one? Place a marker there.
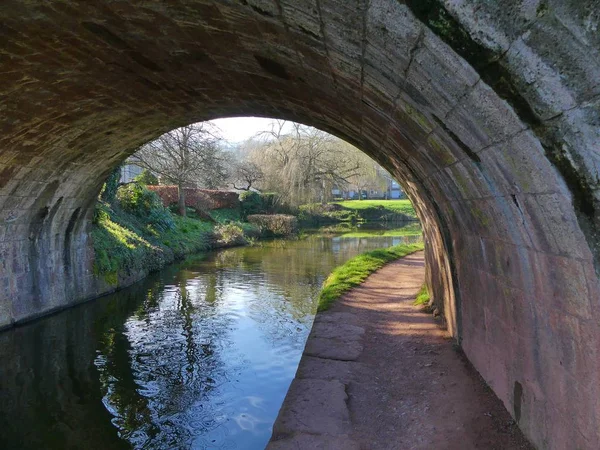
(377, 373)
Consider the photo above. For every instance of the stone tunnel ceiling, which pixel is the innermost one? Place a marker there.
(487, 111)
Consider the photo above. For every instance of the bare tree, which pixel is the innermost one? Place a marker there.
(303, 163)
(369, 176)
(185, 156)
(245, 174)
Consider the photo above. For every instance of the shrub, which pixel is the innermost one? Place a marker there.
(230, 234)
(120, 249)
(146, 178)
(251, 203)
(260, 203)
(109, 190)
(141, 202)
(275, 224)
(270, 201)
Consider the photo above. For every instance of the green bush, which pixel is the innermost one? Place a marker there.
(230, 233)
(225, 215)
(264, 203)
(251, 203)
(270, 202)
(146, 178)
(141, 202)
(109, 190)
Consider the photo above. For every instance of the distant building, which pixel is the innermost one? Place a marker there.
(394, 190)
(129, 172)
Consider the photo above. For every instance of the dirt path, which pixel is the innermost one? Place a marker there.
(377, 373)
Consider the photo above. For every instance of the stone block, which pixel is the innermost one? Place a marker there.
(328, 369)
(313, 442)
(342, 331)
(314, 407)
(333, 349)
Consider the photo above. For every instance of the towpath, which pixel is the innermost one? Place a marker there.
(379, 374)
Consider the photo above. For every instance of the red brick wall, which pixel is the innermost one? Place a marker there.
(203, 199)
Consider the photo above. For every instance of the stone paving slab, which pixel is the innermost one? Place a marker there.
(328, 369)
(315, 407)
(337, 317)
(333, 349)
(333, 330)
(313, 442)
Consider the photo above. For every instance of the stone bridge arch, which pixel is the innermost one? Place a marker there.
(486, 111)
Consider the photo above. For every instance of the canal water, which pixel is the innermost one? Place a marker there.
(199, 355)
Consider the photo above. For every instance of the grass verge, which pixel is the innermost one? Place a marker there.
(400, 206)
(356, 270)
(126, 244)
(423, 297)
(357, 211)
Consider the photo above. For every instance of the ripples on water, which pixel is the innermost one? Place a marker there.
(197, 356)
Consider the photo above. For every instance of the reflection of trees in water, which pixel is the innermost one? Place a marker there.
(282, 279)
(154, 353)
(50, 394)
(160, 369)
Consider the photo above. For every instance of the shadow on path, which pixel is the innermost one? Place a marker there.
(377, 373)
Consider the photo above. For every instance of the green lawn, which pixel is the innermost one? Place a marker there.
(400, 206)
(356, 270)
(226, 215)
(414, 229)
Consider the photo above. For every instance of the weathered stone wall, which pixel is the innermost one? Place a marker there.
(486, 111)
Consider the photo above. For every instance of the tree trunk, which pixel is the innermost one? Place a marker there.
(181, 202)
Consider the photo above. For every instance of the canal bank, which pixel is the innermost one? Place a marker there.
(378, 373)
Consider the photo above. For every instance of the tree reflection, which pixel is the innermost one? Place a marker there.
(199, 354)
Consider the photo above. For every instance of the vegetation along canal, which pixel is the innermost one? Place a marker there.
(199, 355)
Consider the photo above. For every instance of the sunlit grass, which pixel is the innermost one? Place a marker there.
(188, 236)
(356, 270)
(423, 296)
(401, 206)
(226, 215)
(414, 229)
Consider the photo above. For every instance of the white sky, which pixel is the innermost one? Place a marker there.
(238, 129)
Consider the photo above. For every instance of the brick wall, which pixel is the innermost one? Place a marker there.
(202, 199)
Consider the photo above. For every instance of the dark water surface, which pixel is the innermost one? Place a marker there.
(199, 355)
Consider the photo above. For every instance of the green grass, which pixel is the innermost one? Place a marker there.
(226, 215)
(189, 236)
(414, 229)
(125, 244)
(423, 296)
(358, 211)
(398, 206)
(356, 270)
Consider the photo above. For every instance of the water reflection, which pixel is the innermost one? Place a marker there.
(199, 355)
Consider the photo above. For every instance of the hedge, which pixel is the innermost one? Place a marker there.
(200, 199)
(275, 224)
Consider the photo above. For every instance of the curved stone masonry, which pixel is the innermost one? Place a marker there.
(486, 111)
